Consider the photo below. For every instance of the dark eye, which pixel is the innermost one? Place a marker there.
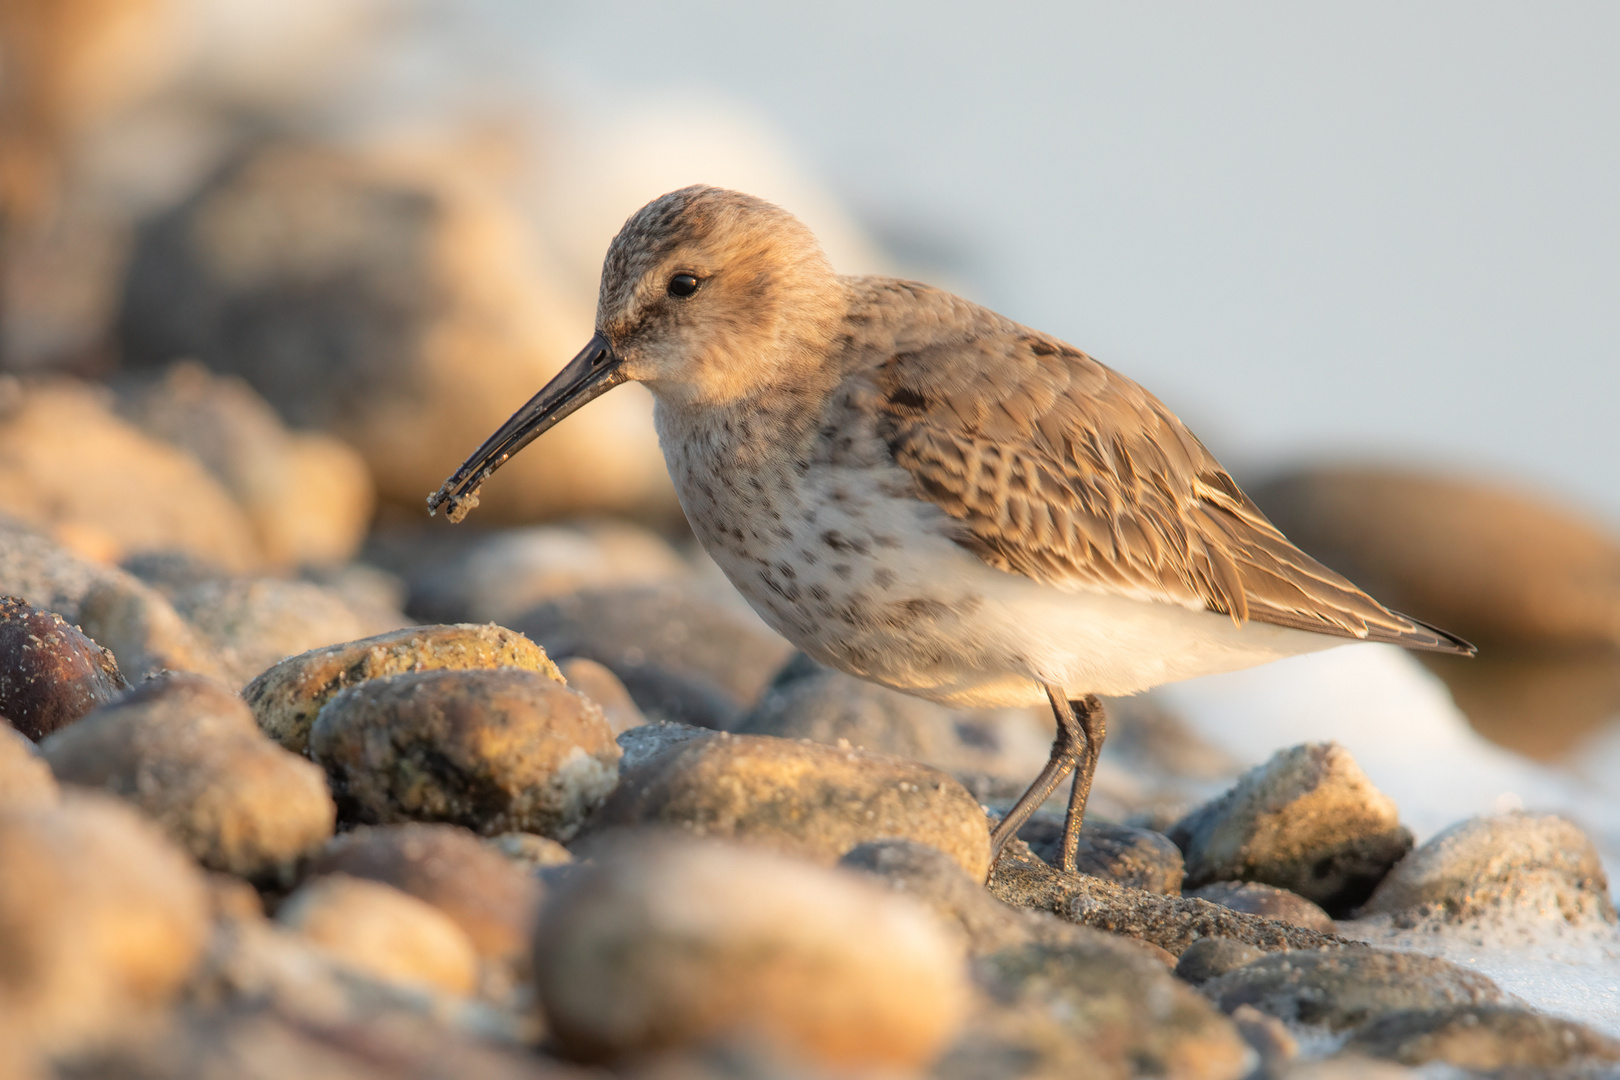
(683, 285)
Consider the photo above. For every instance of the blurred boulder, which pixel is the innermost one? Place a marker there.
(252, 623)
(1493, 1039)
(50, 672)
(667, 943)
(390, 298)
(307, 495)
(1267, 900)
(599, 684)
(186, 751)
(70, 465)
(1493, 564)
(26, 781)
(104, 919)
(496, 576)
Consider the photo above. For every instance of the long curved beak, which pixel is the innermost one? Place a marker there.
(592, 373)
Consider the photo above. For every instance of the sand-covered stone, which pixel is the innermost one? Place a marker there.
(500, 575)
(683, 655)
(287, 697)
(1211, 957)
(482, 891)
(1485, 1038)
(68, 464)
(1140, 858)
(26, 781)
(799, 798)
(1308, 820)
(383, 932)
(1344, 988)
(1521, 861)
(187, 752)
(50, 672)
(599, 684)
(929, 875)
(494, 750)
(1095, 1008)
(252, 623)
(267, 469)
(1267, 901)
(667, 943)
(104, 919)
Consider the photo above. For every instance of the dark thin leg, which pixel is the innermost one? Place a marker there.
(1065, 758)
(1091, 719)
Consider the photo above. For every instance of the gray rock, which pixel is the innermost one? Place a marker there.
(105, 920)
(495, 751)
(1514, 861)
(1308, 820)
(252, 623)
(682, 655)
(807, 701)
(1211, 957)
(528, 851)
(928, 874)
(500, 575)
(1345, 988)
(383, 932)
(50, 672)
(287, 697)
(480, 890)
(26, 782)
(666, 944)
(1267, 901)
(799, 798)
(599, 684)
(1139, 858)
(1092, 1009)
(1484, 1038)
(38, 569)
(645, 742)
(187, 752)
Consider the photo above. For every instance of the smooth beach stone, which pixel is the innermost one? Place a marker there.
(383, 932)
(26, 781)
(927, 874)
(1308, 820)
(1140, 858)
(482, 891)
(50, 672)
(186, 751)
(1266, 900)
(497, 751)
(1211, 957)
(832, 708)
(1484, 1038)
(1344, 988)
(138, 625)
(683, 655)
(287, 697)
(597, 682)
(104, 919)
(252, 623)
(1094, 1008)
(529, 851)
(1520, 861)
(665, 943)
(799, 798)
(644, 743)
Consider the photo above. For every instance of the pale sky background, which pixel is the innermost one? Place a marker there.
(1378, 229)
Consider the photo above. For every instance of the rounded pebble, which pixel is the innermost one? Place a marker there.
(496, 751)
(1211, 957)
(597, 682)
(1139, 858)
(1267, 900)
(666, 943)
(26, 781)
(187, 752)
(379, 930)
(800, 798)
(50, 672)
(287, 697)
(1484, 1039)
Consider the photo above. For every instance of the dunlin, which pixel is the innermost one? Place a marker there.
(920, 492)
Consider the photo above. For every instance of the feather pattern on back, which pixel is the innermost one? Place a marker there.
(1064, 471)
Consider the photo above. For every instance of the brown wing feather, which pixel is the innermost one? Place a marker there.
(1067, 472)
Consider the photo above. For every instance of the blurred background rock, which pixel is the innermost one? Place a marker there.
(269, 269)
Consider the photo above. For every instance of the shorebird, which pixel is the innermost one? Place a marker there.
(920, 492)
